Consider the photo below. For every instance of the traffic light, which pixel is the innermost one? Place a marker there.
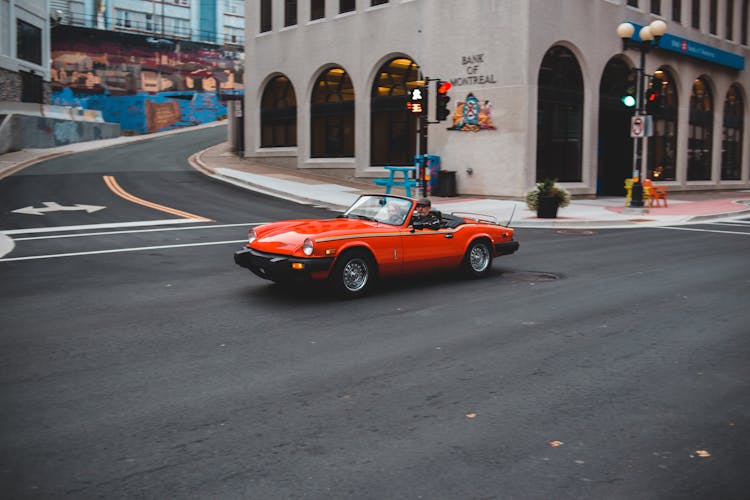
(442, 99)
(417, 102)
(629, 98)
(654, 97)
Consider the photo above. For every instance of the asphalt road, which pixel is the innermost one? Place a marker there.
(142, 363)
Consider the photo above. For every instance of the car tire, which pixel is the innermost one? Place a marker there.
(353, 274)
(478, 259)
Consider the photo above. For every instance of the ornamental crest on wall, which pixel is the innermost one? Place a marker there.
(472, 116)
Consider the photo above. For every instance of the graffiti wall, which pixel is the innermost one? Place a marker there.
(143, 83)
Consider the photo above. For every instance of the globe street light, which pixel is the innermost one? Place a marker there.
(648, 37)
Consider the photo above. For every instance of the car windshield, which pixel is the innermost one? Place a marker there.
(383, 209)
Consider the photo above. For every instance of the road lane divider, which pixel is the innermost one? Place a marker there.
(122, 250)
(112, 184)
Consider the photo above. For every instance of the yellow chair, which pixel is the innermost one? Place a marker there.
(629, 191)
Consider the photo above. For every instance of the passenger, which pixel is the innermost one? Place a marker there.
(424, 217)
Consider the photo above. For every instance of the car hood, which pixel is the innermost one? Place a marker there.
(287, 236)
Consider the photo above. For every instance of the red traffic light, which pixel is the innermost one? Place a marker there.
(444, 87)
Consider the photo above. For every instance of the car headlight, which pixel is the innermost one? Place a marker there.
(307, 246)
(251, 236)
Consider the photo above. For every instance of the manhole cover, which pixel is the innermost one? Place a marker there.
(531, 276)
(575, 231)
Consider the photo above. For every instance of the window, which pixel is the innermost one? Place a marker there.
(743, 32)
(332, 116)
(317, 9)
(731, 145)
(695, 14)
(122, 18)
(633, 3)
(31, 87)
(713, 17)
(701, 124)
(729, 16)
(373, 3)
(393, 128)
(677, 10)
(662, 148)
(290, 12)
(278, 114)
(347, 6)
(265, 15)
(559, 117)
(656, 7)
(28, 42)
(149, 22)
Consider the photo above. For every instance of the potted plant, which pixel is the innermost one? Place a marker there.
(547, 198)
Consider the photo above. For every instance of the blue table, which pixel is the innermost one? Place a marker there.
(392, 180)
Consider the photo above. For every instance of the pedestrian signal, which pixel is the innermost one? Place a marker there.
(416, 102)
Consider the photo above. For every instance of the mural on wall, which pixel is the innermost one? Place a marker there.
(472, 116)
(143, 83)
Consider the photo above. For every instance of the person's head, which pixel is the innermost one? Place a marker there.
(423, 206)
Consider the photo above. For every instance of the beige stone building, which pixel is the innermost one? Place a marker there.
(536, 90)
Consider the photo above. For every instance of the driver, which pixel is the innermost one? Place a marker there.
(424, 217)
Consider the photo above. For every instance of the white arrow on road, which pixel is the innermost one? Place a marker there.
(51, 206)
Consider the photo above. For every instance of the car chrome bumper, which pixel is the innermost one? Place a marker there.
(279, 267)
(506, 248)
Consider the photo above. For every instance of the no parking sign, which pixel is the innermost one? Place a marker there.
(640, 126)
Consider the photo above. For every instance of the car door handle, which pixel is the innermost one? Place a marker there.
(450, 235)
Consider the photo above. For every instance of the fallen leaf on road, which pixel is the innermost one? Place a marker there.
(471, 415)
(702, 453)
(555, 444)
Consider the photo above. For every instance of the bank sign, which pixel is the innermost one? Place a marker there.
(697, 50)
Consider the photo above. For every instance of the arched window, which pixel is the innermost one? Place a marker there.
(332, 115)
(731, 145)
(278, 114)
(701, 131)
(662, 147)
(393, 129)
(559, 117)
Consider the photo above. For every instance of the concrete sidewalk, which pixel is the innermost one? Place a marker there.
(337, 193)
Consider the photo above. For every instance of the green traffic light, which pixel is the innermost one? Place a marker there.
(628, 101)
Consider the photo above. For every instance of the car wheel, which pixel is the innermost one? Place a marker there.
(353, 273)
(478, 259)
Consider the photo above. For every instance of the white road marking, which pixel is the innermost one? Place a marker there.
(104, 233)
(100, 226)
(121, 250)
(52, 206)
(703, 230)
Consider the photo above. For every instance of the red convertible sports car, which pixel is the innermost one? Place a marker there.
(374, 238)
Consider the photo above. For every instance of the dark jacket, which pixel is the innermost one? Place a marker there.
(429, 221)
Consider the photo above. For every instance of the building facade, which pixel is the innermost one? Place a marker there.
(213, 21)
(536, 88)
(24, 51)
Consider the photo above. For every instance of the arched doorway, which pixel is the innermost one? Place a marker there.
(734, 124)
(700, 133)
(393, 128)
(332, 115)
(615, 148)
(559, 142)
(662, 146)
(278, 114)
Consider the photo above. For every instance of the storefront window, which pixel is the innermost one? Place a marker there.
(393, 129)
(731, 145)
(701, 131)
(332, 115)
(559, 117)
(662, 106)
(278, 114)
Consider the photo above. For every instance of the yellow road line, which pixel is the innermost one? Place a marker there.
(119, 191)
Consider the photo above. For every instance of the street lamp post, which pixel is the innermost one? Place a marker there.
(648, 37)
